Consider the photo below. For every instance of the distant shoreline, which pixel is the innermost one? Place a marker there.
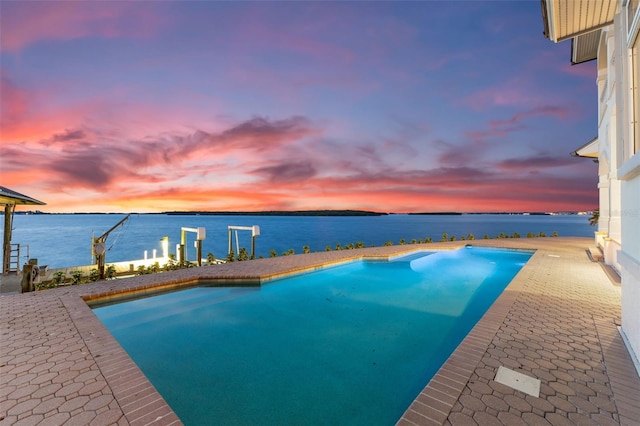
(304, 213)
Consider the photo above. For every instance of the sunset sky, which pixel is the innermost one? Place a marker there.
(386, 106)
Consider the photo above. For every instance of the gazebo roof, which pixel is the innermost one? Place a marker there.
(9, 197)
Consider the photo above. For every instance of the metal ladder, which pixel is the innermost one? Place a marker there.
(14, 258)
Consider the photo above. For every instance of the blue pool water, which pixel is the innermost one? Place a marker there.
(352, 344)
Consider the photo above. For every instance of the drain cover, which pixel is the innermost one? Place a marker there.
(518, 381)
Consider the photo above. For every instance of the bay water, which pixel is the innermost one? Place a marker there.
(64, 240)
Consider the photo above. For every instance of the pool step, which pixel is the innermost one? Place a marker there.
(595, 254)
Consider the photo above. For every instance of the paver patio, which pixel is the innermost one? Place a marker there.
(556, 322)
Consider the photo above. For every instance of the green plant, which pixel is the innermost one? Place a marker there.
(359, 244)
(470, 236)
(338, 246)
(595, 217)
(273, 253)
(231, 256)
(58, 278)
(414, 241)
(94, 275)
(463, 238)
(76, 277)
(486, 237)
(402, 241)
(110, 272)
(542, 234)
(452, 238)
(502, 235)
(388, 243)
(210, 258)
(555, 234)
(515, 235)
(445, 237)
(170, 265)
(243, 255)
(428, 240)
(306, 249)
(327, 248)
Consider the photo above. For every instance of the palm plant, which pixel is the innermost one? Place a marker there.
(595, 216)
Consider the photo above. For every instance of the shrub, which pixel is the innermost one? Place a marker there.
(273, 253)
(243, 255)
(231, 257)
(76, 277)
(327, 248)
(210, 258)
(388, 244)
(516, 235)
(306, 249)
(445, 237)
(94, 275)
(171, 264)
(542, 234)
(402, 241)
(110, 272)
(555, 234)
(58, 278)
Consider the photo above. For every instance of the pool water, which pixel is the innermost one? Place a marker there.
(352, 344)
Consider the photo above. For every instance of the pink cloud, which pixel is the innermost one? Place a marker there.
(502, 128)
(25, 23)
(83, 158)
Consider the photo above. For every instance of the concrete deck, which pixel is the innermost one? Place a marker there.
(555, 322)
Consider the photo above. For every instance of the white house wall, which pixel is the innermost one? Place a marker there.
(630, 263)
(619, 174)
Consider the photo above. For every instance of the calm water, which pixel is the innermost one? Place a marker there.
(352, 344)
(65, 240)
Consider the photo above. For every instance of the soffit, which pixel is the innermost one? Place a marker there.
(565, 19)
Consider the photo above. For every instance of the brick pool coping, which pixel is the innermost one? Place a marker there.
(556, 321)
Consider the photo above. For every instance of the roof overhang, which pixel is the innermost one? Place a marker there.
(566, 19)
(9, 197)
(584, 48)
(589, 150)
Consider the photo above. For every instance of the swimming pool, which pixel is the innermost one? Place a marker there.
(351, 344)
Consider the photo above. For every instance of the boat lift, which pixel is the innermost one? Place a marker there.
(255, 232)
(99, 246)
(201, 234)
